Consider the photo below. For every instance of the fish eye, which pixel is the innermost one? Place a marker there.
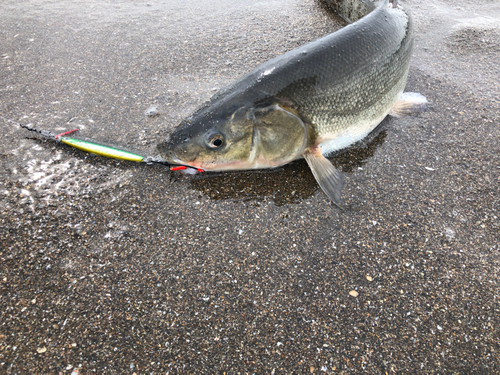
(215, 140)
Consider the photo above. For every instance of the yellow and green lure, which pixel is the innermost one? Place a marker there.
(106, 151)
(97, 149)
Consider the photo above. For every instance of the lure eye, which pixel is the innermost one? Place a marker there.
(215, 140)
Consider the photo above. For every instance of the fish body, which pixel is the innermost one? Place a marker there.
(309, 102)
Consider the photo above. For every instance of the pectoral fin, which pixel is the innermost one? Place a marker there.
(328, 177)
(409, 102)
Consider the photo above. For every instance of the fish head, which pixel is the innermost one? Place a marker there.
(237, 138)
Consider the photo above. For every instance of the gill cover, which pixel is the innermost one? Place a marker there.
(279, 136)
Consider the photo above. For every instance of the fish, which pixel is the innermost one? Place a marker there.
(308, 102)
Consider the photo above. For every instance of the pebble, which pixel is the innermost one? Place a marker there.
(152, 111)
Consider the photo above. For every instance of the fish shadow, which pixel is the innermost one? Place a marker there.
(292, 183)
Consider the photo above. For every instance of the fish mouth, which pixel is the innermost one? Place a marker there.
(167, 155)
(212, 167)
(175, 161)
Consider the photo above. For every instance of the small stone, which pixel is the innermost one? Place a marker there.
(41, 350)
(353, 293)
(449, 233)
(151, 111)
(369, 278)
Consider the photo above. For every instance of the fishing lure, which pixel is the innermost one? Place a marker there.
(106, 151)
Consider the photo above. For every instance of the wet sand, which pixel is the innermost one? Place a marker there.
(111, 266)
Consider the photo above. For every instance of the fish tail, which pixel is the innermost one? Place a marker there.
(353, 10)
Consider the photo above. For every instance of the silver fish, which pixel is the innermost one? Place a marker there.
(309, 102)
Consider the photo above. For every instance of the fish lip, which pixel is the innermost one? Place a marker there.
(211, 167)
(176, 161)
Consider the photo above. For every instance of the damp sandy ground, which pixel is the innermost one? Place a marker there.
(112, 266)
